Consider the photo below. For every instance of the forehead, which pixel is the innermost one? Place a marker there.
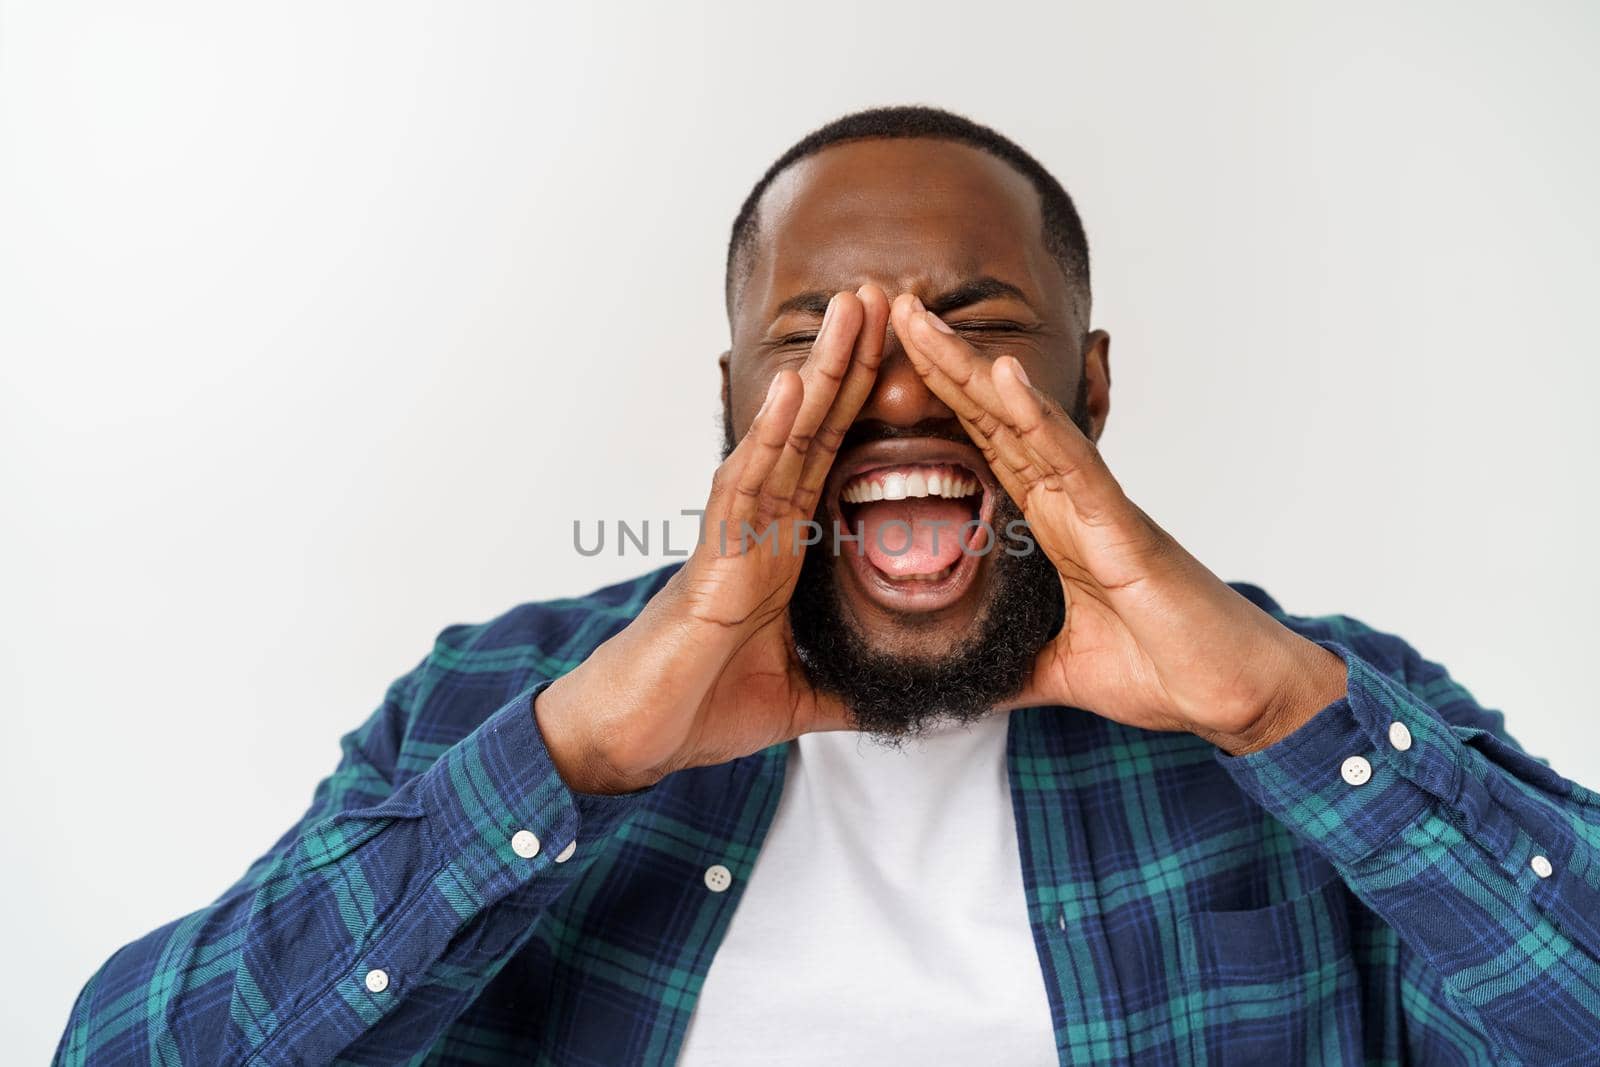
(904, 213)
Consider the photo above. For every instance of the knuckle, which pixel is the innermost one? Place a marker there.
(830, 438)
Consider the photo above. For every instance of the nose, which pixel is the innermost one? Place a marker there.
(899, 397)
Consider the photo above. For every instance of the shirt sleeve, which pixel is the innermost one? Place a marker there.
(373, 922)
(1483, 859)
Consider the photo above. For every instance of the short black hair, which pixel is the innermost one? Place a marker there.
(1064, 238)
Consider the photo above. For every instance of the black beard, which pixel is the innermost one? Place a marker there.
(896, 697)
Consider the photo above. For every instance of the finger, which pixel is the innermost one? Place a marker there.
(937, 352)
(750, 466)
(1062, 450)
(1017, 467)
(853, 393)
(823, 373)
(965, 368)
(960, 377)
(905, 315)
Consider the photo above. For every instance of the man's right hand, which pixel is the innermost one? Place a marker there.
(707, 672)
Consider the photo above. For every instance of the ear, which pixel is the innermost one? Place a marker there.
(727, 390)
(1097, 381)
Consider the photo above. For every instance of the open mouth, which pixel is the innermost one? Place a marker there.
(922, 517)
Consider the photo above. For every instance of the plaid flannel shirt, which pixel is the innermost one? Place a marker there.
(1187, 907)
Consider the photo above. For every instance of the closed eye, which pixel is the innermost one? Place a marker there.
(988, 326)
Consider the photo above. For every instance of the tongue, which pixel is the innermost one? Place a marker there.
(884, 526)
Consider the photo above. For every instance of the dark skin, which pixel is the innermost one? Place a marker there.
(834, 326)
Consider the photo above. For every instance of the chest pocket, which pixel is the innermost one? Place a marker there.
(1273, 985)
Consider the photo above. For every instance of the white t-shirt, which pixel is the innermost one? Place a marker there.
(885, 920)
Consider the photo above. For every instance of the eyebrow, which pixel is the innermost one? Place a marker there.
(985, 287)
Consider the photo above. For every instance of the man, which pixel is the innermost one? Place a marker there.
(1120, 811)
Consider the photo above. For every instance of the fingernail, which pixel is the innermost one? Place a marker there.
(1022, 375)
(916, 303)
(828, 314)
(772, 389)
(937, 323)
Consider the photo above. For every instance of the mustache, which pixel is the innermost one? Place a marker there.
(866, 431)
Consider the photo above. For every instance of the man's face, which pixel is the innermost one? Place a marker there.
(961, 230)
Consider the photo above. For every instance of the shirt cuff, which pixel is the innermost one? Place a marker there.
(501, 810)
(1361, 770)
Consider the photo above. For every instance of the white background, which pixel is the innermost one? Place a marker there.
(320, 323)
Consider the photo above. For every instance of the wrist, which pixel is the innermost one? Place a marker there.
(1312, 679)
(558, 716)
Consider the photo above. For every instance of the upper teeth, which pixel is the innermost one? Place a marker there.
(951, 482)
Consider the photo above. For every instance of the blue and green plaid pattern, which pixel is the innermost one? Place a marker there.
(1188, 907)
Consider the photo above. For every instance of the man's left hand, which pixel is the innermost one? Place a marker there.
(1152, 638)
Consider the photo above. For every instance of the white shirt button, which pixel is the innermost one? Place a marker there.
(566, 854)
(1356, 770)
(377, 980)
(525, 843)
(1399, 736)
(1541, 866)
(718, 878)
